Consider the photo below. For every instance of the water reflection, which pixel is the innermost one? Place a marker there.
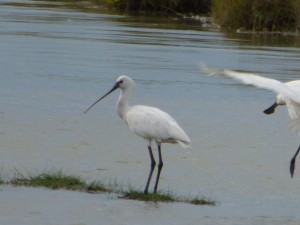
(266, 40)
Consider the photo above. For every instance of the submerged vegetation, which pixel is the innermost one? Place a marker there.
(57, 179)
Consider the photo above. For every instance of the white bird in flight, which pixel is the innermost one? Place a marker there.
(152, 124)
(288, 94)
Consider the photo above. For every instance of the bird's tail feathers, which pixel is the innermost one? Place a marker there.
(185, 144)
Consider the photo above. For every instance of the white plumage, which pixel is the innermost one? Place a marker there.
(152, 124)
(293, 107)
(287, 94)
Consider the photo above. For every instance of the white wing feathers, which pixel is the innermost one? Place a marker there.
(266, 83)
(154, 124)
(256, 80)
(290, 92)
(293, 108)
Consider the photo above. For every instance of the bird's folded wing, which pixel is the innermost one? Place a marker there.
(152, 123)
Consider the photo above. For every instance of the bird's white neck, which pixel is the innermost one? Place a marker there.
(122, 103)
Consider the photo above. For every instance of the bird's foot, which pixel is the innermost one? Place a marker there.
(292, 167)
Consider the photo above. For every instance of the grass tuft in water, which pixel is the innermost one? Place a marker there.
(96, 186)
(166, 197)
(153, 197)
(52, 180)
(57, 179)
(202, 201)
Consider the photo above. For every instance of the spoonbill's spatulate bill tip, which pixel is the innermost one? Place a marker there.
(271, 109)
(152, 124)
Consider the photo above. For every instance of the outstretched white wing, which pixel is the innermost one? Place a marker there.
(266, 83)
(257, 81)
(290, 92)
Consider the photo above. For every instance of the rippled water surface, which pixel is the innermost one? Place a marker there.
(55, 62)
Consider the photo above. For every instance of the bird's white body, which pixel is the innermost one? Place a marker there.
(152, 124)
(288, 93)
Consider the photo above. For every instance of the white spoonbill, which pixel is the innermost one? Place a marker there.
(150, 123)
(288, 93)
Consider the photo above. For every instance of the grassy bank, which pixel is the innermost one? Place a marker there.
(57, 179)
(257, 15)
(249, 15)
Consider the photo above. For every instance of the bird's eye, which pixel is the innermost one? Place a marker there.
(121, 82)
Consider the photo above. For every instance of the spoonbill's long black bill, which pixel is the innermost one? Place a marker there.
(271, 109)
(111, 90)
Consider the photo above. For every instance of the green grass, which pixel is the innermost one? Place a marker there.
(141, 196)
(57, 179)
(250, 15)
(201, 201)
(51, 180)
(166, 197)
(96, 187)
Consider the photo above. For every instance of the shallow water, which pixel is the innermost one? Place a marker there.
(55, 62)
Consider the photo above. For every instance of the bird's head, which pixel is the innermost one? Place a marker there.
(280, 99)
(123, 82)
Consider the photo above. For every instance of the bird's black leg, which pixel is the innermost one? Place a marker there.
(160, 165)
(292, 166)
(151, 169)
(271, 109)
